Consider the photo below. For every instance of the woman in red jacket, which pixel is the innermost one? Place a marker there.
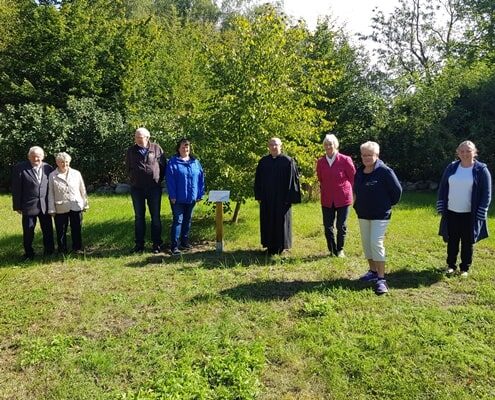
(335, 173)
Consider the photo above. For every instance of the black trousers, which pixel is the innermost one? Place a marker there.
(460, 232)
(28, 225)
(338, 216)
(62, 222)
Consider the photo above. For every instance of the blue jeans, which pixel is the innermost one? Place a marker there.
(181, 224)
(153, 197)
(329, 214)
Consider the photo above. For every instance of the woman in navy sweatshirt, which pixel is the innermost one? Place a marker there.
(376, 189)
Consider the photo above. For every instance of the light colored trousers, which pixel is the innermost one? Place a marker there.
(372, 237)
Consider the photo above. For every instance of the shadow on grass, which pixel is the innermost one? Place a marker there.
(204, 256)
(276, 290)
(108, 239)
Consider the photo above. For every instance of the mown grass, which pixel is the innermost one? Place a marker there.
(239, 325)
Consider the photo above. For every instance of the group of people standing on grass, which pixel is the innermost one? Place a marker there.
(464, 196)
(40, 192)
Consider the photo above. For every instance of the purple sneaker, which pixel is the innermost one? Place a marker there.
(381, 286)
(370, 276)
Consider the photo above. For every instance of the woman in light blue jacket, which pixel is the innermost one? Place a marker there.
(186, 186)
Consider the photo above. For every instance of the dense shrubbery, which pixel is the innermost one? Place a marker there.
(95, 138)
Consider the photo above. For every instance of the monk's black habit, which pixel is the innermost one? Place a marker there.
(276, 186)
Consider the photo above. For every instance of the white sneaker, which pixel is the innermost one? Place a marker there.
(464, 274)
(450, 271)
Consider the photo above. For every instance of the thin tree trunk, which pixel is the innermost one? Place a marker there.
(235, 217)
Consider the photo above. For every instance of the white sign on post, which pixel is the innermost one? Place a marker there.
(221, 196)
(218, 197)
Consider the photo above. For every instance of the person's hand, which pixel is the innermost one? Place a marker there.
(173, 201)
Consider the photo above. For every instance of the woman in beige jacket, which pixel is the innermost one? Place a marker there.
(67, 199)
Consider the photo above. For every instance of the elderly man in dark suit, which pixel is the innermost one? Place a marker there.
(30, 198)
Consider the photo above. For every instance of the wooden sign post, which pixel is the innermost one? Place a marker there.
(218, 197)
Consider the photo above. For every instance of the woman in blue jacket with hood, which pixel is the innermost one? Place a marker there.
(376, 189)
(464, 196)
(186, 186)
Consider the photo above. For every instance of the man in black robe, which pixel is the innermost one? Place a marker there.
(276, 187)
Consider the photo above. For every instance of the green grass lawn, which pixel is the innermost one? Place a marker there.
(109, 325)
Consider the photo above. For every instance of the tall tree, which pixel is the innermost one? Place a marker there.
(264, 85)
(480, 31)
(417, 37)
(357, 108)
(59, 51)
(164, 84)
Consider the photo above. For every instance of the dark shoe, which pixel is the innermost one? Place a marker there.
(175, 252)
(370, 276)
(381, 286)
(185, 247)
(156, 249)
(137, 250)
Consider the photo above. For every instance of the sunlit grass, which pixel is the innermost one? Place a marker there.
(240, 325)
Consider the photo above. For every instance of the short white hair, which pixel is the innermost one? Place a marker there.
(369, 145)
(331, 138)
(145, 132)
(275, 139)
(36, 149)
(63, 156)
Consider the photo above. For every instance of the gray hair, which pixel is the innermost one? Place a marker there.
(275, 139)
(63, 156)
(142, 131)
(36, 149)
(331, 138)
(372, 146)
(470, 144)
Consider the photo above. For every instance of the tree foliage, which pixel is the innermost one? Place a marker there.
(81, 75)
(264, 85)
(418, 36)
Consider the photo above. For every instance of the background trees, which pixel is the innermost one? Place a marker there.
(81, 75)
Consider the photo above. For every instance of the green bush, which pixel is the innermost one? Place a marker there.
(96, 138)
(28, 125)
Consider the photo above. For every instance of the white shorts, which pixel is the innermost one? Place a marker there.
(372, 237)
